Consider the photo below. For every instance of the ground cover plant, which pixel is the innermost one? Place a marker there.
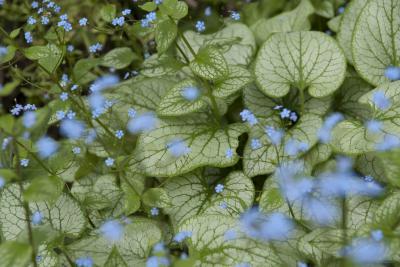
(200, 133)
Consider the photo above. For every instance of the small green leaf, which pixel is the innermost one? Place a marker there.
(192, 195)
(165, 34)
(14, 34)
(302, 60)
(175, 9)
(375, 49)
(81, 71)
(391, 166)
(49, 56)
(239, 53)
(324, 8)
(9, 55)
(334, 23)
(118, 58)
(210, 64)
(9, 87)
(15, 254)
(174, 102)
(108, 12)
(131, 200)
(149, 6)
(207, 146)
(237, 78)
(156, 197)
(44, 189)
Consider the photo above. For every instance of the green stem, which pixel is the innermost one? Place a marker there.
(301, 94)
(25, 205)
(344, 229)
(187, 44)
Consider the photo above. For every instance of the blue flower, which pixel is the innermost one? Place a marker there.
(200, 26)
(255, 144)
(179, 237)
(34, 4)
(119, 134)
(64, 96)
(24, 162)
(293, 117)
(366, 251)
(112, 230)
(84, 262)
(207, 11)
(154, 211)
(2, 182)
(83, 22)
(229, 153)
(190, 93)
(95, 48)
(76, 150)
(126, 12)
(377, 235)
(46, 147)
(341, 10)
(230, 234)
(324, 133)
(275, 135)
(389, 142)
(235, 15)
(45, 20)
(65, 24)
(392, 73)
(70, 48)
(37, 217)
(374, 126)
(29, 119)
(258, 225)
(178, 147)
(109, 162)
(142, 123)
(31, 20)
(219, 188)
(72, 129)
(3, 51)
(28, 37)
(119, 21)
(380, 100)
(248, 116)
(104, 82)
(285, 113)
(294, 147)
(131, 112)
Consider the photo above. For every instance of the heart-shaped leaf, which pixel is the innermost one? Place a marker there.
(302, 60)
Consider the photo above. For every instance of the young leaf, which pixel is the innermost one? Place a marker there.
(387, 215)
(165, 34)
(375, 49)
(49, 56)
(192, 195)
(238, 53)
(149, 6)
(81, 71)
(175, 9)
(156, 197)
(324, 8)
(184, 98)
(108, 12)
(44, 189)
(119, 58)
(15, 254)
(207, 145)
(302, 60)
(210, 64)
